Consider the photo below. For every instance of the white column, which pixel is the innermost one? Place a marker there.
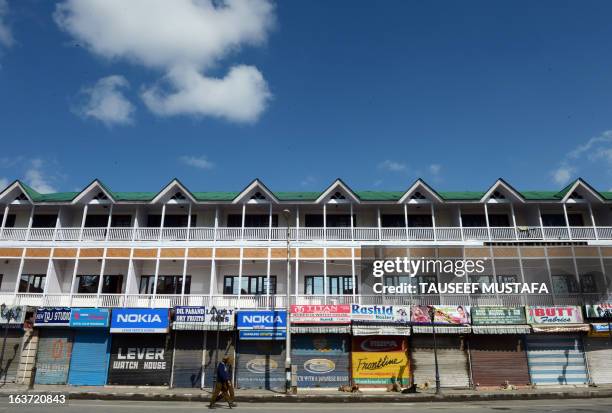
(486, 211)
(184, 274)
(162, 221)
(242, 224)
(514, 221)
(4, 217)
(74, 275)
(379, 223)
(57, 222)
(354, 280)
(239, 278)
(155, 277)
(593, 221)
(130, 275)
(433, 220)
(406, 220)
(325, 274)
(136, 223)
(83, 219)
(297, 271)
(30, 222)
(352, 224)
(460, 221)
(213, 278)
(110, 220)
(325, 221)
(216, 222)
(188, 237)
(20, 271)
(297, 223)
(268, 278)
(270, 222)
(541, 222)
(567, 225)
(101, 279)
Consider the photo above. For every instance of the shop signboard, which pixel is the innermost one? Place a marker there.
(457, 315)
(380, 360)
(139, 320)
(263, 334)
(380, 313)
(490, 315)
(19, 313)
(262, 320)
(321, 314)
(602, 310)
(52, 317)
(554, 315)
(89, 317)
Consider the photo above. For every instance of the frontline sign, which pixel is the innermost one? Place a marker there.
(139, 320)
(262, 320)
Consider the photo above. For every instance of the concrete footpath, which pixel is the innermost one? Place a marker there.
(311, 395)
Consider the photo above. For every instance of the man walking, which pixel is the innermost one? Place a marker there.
(223, 385)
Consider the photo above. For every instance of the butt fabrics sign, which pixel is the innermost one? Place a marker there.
(139, 320)
(52, 317)
(458, 315)
(603, 310)
(489, 315)
(554, 315)
(321, 314)
(380, 313)
(262, 320)
(89, 317)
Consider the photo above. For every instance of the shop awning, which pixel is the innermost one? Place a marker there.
(321, 329)
(177, 325)
(381, 330)
(442, 329)
(502, 329)
(560, 328)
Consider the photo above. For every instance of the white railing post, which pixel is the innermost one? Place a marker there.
(379, 223)
(352, 223)
(188, 236)
(596, 234)
(324, 222)
(461, 223)
(567, 225)
(83, 222)
(514, 221)
(162, 222)
(406, 221)
(486, 211)
(30, 220)
(433, 220)
(109, 221)
(243, 218)
(4, 217)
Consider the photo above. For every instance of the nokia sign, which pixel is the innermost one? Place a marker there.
(139, 320)
(262, 320)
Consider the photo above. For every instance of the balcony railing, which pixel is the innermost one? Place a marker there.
(280, 301)
(518, 233)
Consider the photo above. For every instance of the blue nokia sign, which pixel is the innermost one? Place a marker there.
(262, 320)
(139, 320)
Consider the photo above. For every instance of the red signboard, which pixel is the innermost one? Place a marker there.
(321, 314)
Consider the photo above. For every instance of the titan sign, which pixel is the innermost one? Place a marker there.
(139, 320)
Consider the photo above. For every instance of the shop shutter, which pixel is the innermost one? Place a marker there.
(140, 359)
(556, 359)
(452, 361)
(497, 359)
(599, 356)
(53, 357)
(322, 360)
(261, 364)
(10, 361)
(89, 362)
(218, 345)
(187, 365)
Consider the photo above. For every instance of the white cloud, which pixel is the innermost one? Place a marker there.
(200, 162)
(392, 166)
(6, 37)
(37, 178)
(184, 39)
(309, 181)
(106, 102)
(563, 174)
(435, 168)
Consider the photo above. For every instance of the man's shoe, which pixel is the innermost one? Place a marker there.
(232, 404)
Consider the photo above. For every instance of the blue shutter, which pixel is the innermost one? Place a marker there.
(556, 359)
(53, 355)
(89, 363)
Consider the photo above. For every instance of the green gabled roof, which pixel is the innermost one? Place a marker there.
(303, 196)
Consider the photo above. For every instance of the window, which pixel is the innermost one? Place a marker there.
(575, 220)
(499, 220)
(170, 221)
(251, 220)
(44, 221)
(481, 278)
(30, 283)
(337, 196)
(166, 284)
(96, 221)
(251, 284)
(332, 221)
(506, 279)
(178, 197)
(100, 196)
(553, 220)
(121, 221)
(88, 284)
(418, 196)
(336, 285)
(564, 284)
(588, 283)
(258, 196)
(473, 220)
(497, 195)
(420, 221)
(10, 220)
(392, 220)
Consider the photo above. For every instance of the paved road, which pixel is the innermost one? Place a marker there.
(528, 406)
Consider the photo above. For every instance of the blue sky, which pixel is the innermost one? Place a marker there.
(299, 93)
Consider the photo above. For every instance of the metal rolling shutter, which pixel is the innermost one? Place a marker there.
(497, 359)
(261, 364)
(452, 361)
(140, 370)
(10, 362)
(187, 365)
(89, 362)
(53, 357)
(322, 359)
(217, 346)
(556, 359)
(599, 357)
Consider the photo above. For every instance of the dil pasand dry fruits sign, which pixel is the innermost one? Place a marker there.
(380, 360)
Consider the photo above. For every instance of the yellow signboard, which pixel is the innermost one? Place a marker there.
(380, 367)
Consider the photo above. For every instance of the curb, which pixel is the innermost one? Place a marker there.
(340, 398)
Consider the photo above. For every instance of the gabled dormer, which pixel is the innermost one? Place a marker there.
(174, 193)
(255, 193)
(579, 191)
(420, 193)
(502, 192)
(96, 193)
(18, 193)
(338, 193)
